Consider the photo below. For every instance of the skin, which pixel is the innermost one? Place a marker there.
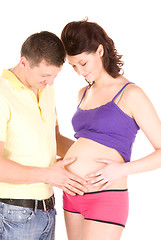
(36, 78)
(112, 171)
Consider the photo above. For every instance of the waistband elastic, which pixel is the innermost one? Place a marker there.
(108, 190)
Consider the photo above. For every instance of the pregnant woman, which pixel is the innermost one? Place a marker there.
(110, 112)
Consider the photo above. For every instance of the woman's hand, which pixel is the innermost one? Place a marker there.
(106, 175)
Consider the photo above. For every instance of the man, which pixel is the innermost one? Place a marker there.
(28, 133)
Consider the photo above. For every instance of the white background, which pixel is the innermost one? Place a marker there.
(135, 27)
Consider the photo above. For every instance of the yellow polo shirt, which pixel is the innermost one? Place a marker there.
(28, 129)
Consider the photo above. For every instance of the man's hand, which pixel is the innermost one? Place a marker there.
(58, 176)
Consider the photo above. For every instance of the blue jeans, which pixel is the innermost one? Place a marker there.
(19, 223)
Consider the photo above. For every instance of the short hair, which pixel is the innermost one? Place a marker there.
(84, 36)
(44, 46)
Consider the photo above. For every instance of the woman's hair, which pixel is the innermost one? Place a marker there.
(44, 46)
(83, 36)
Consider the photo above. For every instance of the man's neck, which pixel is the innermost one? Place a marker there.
(19, 74)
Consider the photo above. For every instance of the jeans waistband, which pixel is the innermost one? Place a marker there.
(45, 205)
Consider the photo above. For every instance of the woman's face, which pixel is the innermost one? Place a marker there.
(88, 65)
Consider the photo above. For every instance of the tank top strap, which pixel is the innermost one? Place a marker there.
(83, 96)
(122, 90)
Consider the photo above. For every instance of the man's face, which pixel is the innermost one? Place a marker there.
(37, 77)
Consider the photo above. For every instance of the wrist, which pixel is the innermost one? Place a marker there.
(125, 169)
(44, 174)
(39, 174)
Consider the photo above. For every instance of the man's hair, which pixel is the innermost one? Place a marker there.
(43, 46)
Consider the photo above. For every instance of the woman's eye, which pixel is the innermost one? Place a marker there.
(84, 64)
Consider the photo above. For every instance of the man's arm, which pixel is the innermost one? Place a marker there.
(57, 175)
(63, 143)
(15, 173)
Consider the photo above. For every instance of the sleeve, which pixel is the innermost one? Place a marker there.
(56, 123)
(5, 115)
(56, 117)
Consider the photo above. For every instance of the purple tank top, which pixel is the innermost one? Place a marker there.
(107, 125)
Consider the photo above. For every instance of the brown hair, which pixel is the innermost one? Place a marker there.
(44, 46)
(83, 36)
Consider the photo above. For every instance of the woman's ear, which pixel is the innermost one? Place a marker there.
(100, 50)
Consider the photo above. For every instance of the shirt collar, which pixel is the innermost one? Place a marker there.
(14, 81)
(7, 74)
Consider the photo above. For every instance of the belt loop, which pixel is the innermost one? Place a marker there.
(53, 200)
(44, 205)
(35, 207)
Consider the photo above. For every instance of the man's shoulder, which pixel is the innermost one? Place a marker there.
(4, 85)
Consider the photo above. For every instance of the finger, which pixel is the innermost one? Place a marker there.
(100, 183)
(105, 186)
(68, 191)
(77, 185)
(102, 160)
(95, 174)
(76, 179)
(68, 161)
(74, 189)
(95, 180)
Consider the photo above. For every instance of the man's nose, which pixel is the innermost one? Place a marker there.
(50, 81)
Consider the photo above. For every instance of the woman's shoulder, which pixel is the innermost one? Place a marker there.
(137, 99)
(81, 92)
(134, 91)
(131, 88)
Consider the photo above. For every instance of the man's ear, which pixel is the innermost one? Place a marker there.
(23, 61)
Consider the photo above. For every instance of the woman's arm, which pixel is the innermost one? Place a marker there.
(147, 119)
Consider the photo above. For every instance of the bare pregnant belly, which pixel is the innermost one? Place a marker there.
(86, 152)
